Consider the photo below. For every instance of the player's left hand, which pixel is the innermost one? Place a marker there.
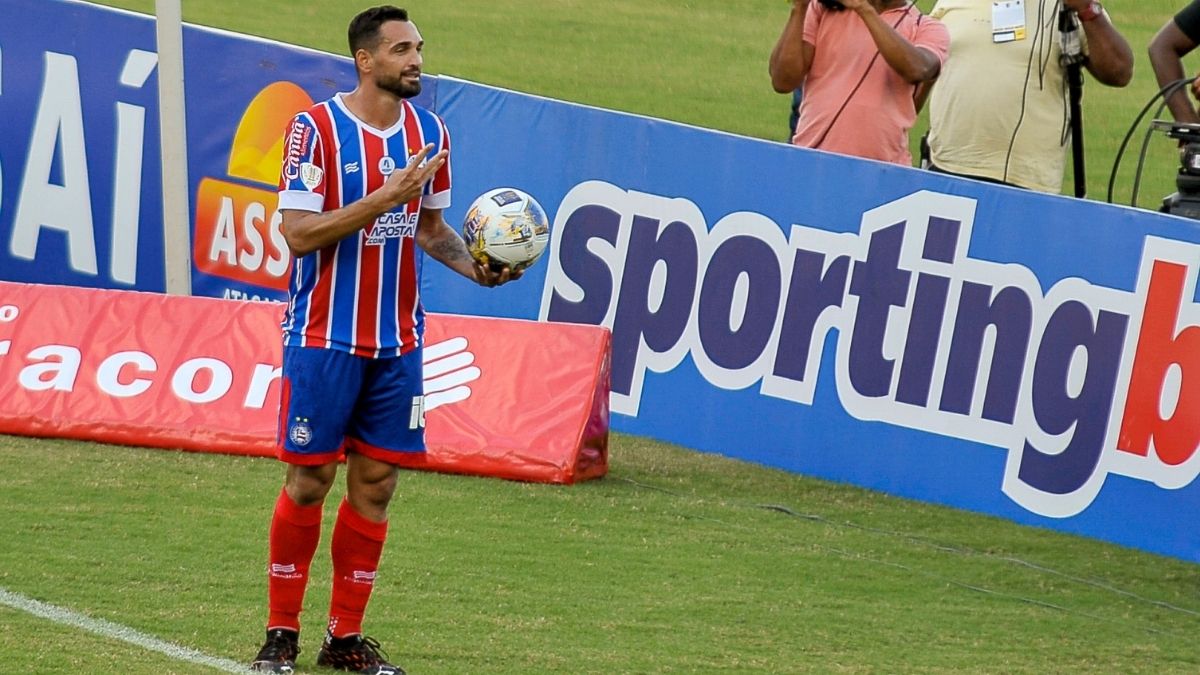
(488, 276)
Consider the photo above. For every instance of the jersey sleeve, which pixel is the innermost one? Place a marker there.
(1188, 20)
(812, 22)
(437, 190)
(302, 180)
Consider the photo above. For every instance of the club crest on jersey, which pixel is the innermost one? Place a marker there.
(391, 226)
(387, 165)
(300, 432)
(311, 175)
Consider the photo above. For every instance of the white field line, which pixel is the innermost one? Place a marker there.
(115, 631)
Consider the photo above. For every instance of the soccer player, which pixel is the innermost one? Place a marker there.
(365, 178)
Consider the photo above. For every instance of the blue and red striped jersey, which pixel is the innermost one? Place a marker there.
(360, 294)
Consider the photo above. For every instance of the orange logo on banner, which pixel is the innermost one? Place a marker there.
(237, 225)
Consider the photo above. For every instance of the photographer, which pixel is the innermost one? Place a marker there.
(1177, 38)
(860, 62)
(1000, 110)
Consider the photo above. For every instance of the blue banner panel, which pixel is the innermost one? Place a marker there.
(79, 165)
(1019, 354)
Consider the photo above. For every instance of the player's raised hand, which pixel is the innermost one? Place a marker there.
(405, 185)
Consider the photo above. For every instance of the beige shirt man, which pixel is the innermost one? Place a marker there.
(999, 108)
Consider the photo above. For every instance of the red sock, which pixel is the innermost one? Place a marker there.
(357, 545)
(295, 531)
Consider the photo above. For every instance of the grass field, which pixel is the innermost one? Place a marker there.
(678, 561)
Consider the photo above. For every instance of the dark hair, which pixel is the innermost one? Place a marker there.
(364, 28)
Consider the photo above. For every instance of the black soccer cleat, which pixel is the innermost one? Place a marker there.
(278, 653)
(355, 654)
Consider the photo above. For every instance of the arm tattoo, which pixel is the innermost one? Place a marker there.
(449, 249)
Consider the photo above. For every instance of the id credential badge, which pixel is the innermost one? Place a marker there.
(1008, 21)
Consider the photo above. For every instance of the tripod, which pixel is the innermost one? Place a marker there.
(1072, 59)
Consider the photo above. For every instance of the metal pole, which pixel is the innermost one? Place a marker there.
(177, 238)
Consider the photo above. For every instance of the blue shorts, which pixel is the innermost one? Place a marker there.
(334, 402)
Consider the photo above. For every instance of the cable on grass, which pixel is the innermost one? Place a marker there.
(984, 590)
(960, 550)
(970, 551)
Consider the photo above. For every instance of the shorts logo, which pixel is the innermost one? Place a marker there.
(416, 417)
(387, 165)
(300, 432)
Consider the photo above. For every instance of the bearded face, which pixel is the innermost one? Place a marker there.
(394, 63)
(405, 85)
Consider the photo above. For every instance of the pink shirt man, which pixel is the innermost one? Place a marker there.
(854, 102)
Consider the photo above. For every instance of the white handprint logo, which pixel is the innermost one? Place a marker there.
(447, 371)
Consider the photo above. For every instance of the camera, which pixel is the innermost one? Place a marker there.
(832, 5)
(1185, 202)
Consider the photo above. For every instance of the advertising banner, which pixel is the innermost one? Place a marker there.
(80, 195)
(139, 368)
(513, 399)
(1020, 354)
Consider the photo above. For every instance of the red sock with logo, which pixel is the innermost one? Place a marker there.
(357, 545)
(295, 531)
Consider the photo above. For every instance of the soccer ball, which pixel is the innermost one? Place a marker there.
(506, 226)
